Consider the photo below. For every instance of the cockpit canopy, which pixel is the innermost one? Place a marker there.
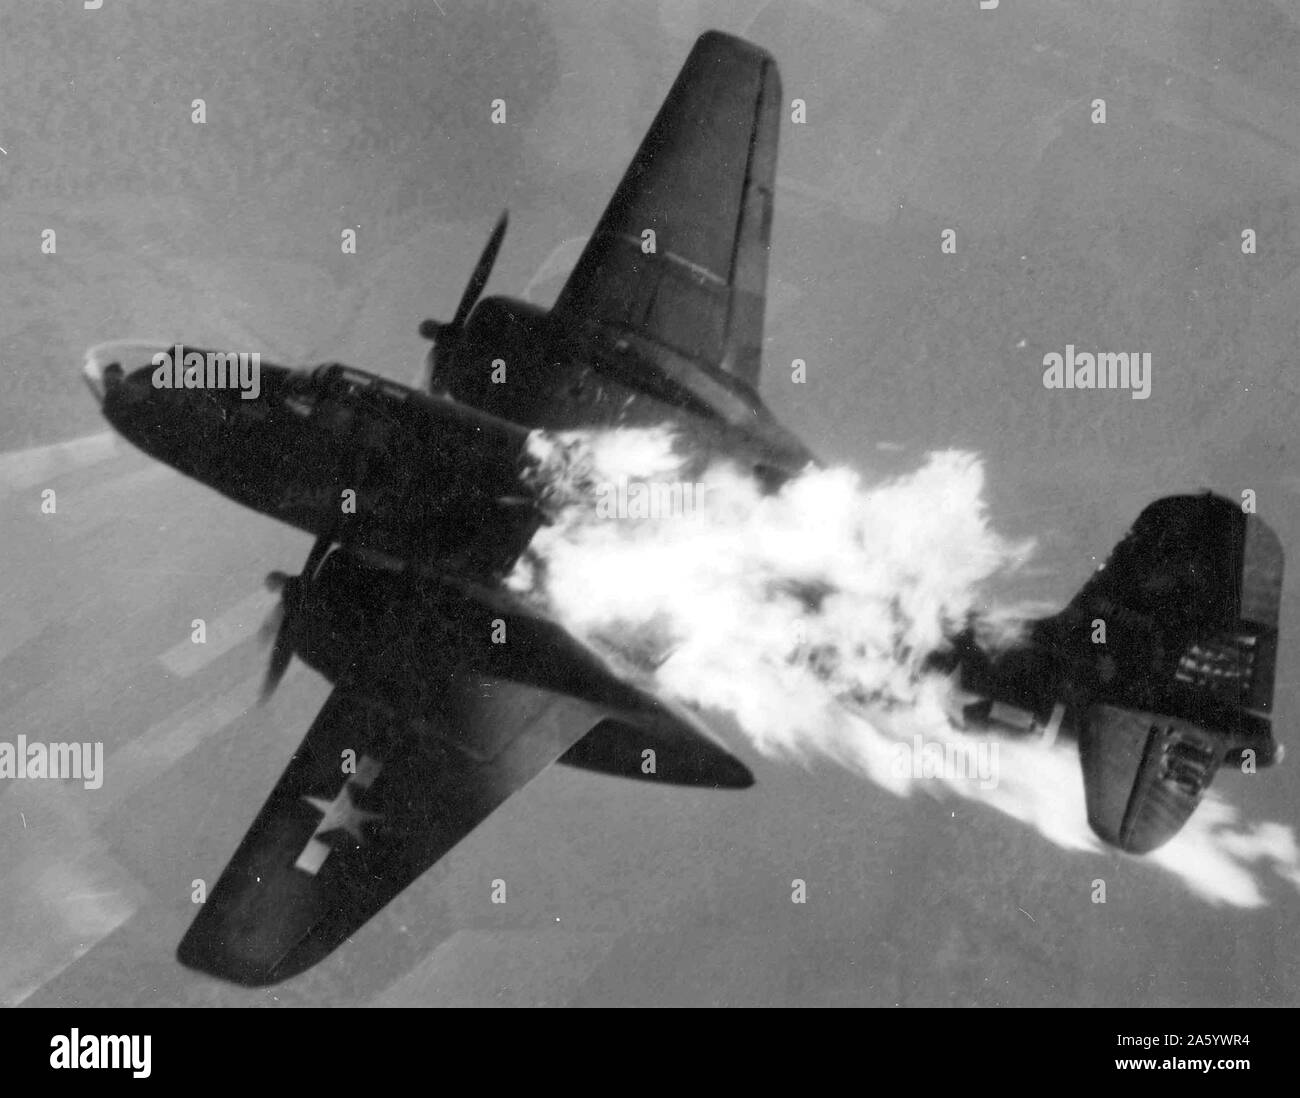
(344, 400)
(333, 377)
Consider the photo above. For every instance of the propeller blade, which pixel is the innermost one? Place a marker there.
(271, 626)
(283, 620)
(319, 548)
(281, 654)
(446, 336)
(481, 272)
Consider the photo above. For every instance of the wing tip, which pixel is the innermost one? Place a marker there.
(200, 954)
(252, 954)
(716, 41)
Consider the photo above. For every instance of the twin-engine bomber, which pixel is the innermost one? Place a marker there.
(394, 602)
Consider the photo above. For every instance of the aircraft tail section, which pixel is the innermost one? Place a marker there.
(1162, 667)
(1188, 606)
(1171, 649)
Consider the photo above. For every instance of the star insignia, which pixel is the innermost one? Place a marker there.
(340, 814)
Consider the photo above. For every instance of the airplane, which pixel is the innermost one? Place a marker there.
(430, 725)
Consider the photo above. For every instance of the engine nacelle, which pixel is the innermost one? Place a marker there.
(502, 335)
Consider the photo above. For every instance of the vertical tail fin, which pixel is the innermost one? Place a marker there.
(1189, 603)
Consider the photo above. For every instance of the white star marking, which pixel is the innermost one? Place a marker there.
(340, 814)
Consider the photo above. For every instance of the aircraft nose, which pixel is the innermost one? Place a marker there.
(106, 364)
(100, 375)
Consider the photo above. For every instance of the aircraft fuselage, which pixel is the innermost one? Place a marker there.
(431, 480)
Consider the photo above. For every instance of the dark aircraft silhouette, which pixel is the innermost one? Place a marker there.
(431, 725)
(1161, 667)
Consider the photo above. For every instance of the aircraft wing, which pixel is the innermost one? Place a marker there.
(702, 181)
(368, 802)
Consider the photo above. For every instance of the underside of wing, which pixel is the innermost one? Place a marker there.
(702, 184)
(365, 806)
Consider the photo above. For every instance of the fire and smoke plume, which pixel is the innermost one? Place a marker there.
(807, 615)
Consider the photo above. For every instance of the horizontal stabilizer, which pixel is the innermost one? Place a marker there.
(1143, 774)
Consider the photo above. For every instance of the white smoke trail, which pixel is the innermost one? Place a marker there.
(807, 614)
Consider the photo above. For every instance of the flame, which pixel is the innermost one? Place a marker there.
(807, 615)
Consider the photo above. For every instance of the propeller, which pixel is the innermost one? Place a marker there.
(446, 336)
(284, 621)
